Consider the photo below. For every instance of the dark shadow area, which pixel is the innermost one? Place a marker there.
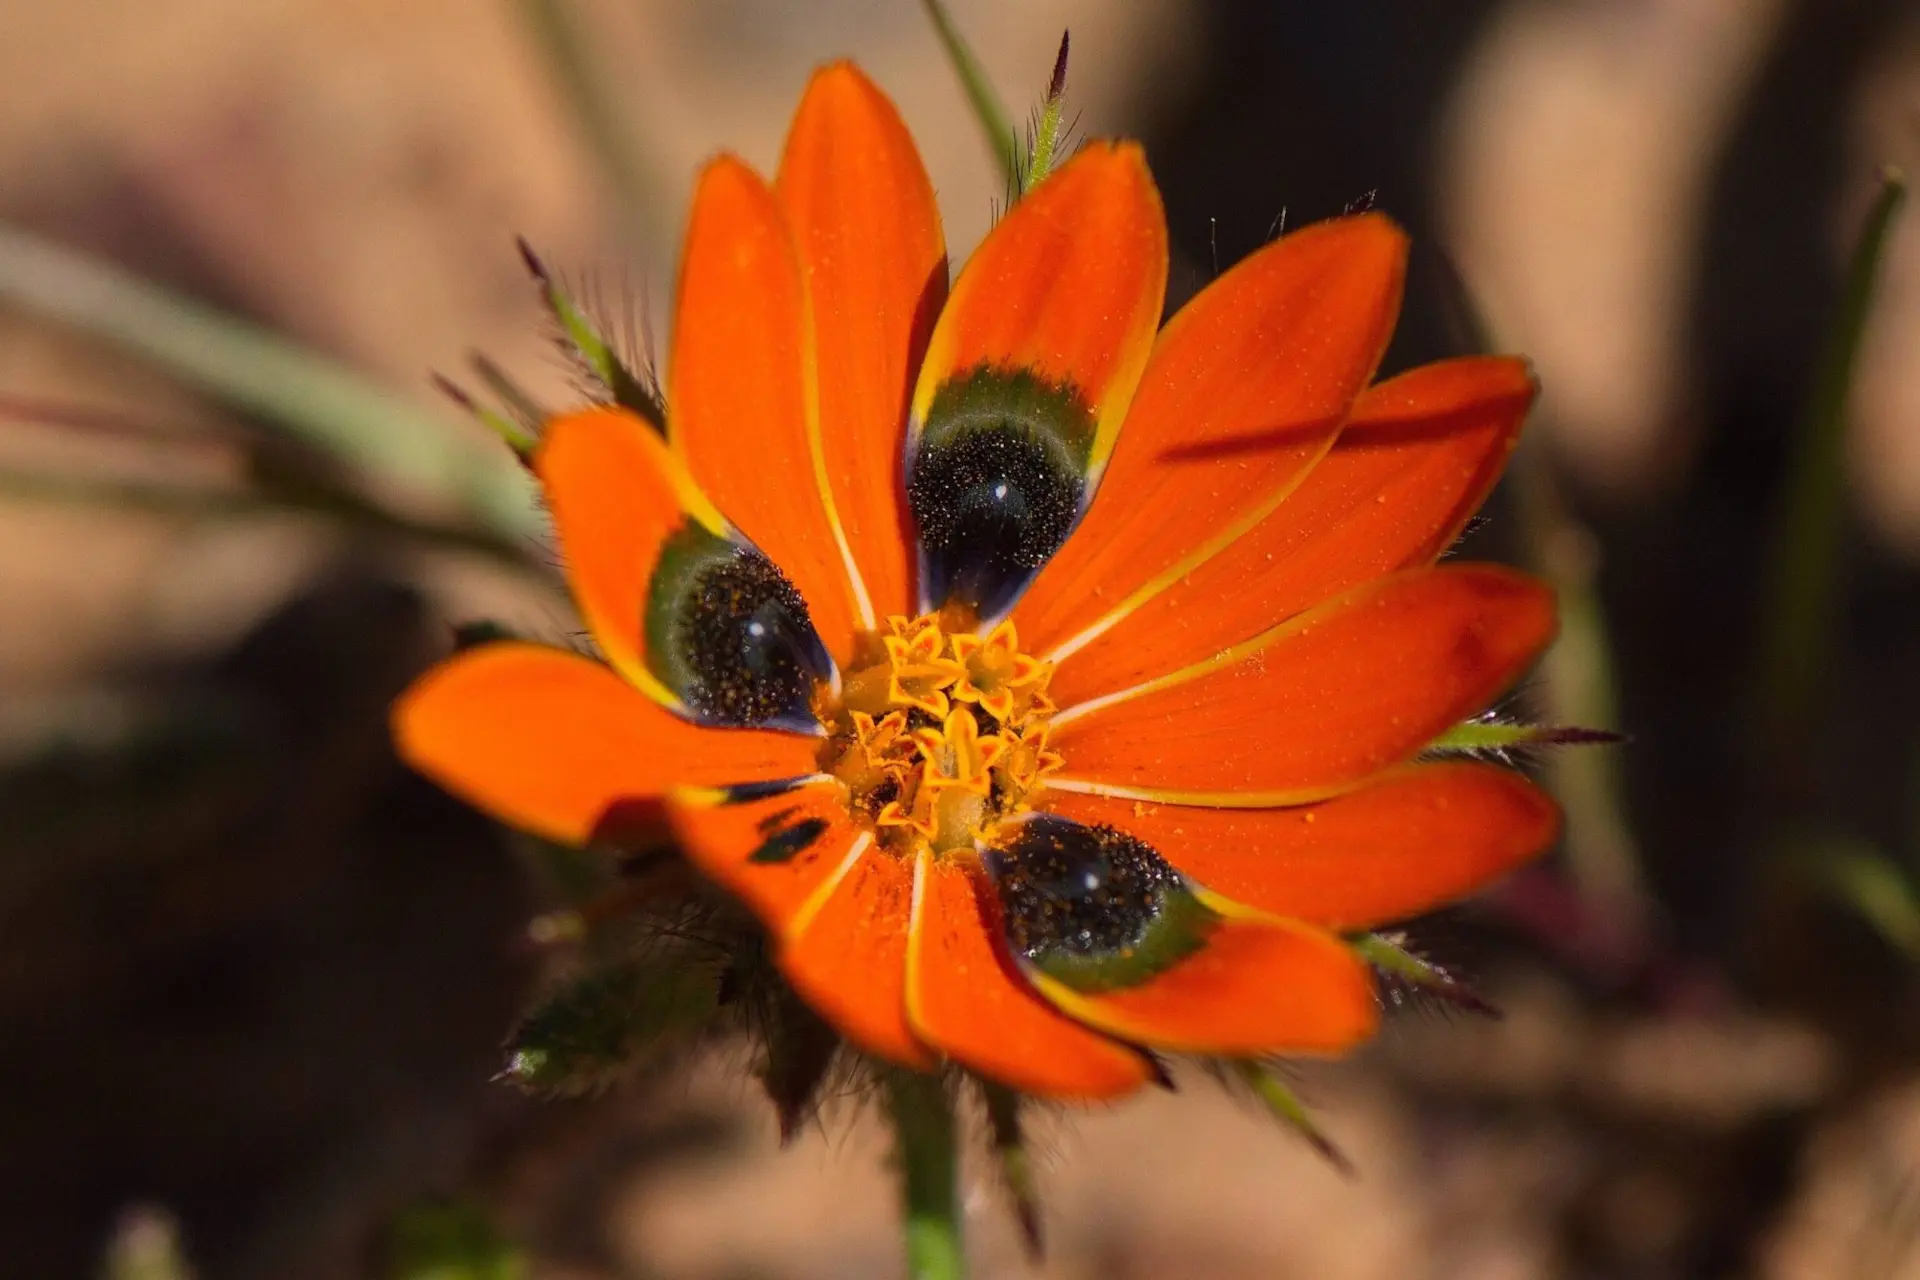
(255, 964)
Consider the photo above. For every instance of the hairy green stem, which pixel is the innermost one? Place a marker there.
(927, 1152)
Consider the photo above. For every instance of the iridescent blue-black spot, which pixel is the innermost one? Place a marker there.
(995, 482)
(1091, 906)
(729, 635)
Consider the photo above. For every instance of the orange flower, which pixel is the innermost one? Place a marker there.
(1025, 801)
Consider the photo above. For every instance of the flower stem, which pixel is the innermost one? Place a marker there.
(928, 1158)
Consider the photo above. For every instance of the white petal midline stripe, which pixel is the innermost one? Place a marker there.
(1205, 799)
(1180, 569)
(817, 453)
(818, 898)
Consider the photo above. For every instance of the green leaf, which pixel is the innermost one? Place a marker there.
(314, 399)
(987, 108)
(525, 410)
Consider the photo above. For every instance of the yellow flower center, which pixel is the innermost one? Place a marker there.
(939, 732)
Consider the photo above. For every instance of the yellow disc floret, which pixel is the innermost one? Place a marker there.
(939, 734)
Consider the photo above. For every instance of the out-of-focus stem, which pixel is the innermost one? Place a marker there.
(1578, 686)
(1577, 673)
(986, 103)
(310, 397)
(1797, 626)
(168, 499)
(568, 55)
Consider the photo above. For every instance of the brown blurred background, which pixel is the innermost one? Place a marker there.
(254, 977)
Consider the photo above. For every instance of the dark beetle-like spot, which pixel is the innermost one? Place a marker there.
(995, 484)
(729, 634)
(1093, 907)
(777, 819)
(782, 845)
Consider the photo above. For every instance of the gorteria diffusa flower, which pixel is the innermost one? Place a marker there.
(1055, 687)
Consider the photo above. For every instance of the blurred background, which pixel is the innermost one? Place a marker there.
(254, 977)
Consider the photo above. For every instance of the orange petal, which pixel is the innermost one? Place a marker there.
(1067, 286)
(850, 961)
(966, 998)
(741, 391)
(617, 494)
(1247, 388)
(836, 906)
(1415, 461)
(1255, 987)
(560, 745)
(1315, 705)
(1416, 839)
(868, 231)
(645, 551)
